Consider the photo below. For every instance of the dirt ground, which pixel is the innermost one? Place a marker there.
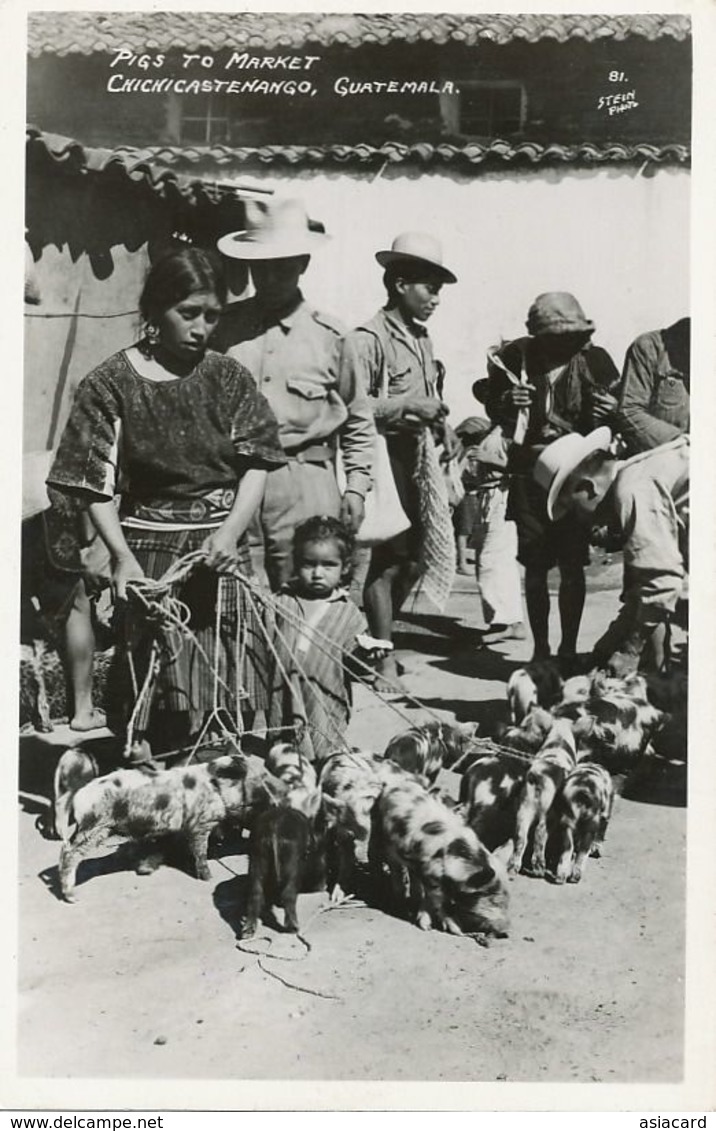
(142, 976)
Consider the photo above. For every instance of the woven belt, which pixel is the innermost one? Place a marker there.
(314, 453)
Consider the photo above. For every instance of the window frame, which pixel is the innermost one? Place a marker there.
(452, 106)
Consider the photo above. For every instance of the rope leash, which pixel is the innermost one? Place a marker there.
(169, 612)
(346, 902)
(329, 647)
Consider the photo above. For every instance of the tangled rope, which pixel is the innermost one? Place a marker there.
(168, 614)
(347, 902)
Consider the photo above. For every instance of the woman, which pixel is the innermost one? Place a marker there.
(192, 440)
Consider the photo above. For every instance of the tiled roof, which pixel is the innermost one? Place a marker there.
(136, 165)
(72, 33)
(223, 159)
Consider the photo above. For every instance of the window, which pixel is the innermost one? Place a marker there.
(204, 119)
(490, 109)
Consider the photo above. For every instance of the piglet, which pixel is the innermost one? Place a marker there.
(285, 858)
(140, 804)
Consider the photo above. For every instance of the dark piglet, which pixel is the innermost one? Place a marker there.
(285, 858)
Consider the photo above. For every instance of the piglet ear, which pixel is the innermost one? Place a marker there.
(313, 804)
(468, 730)
(275, 788)
(331, 807)
(231, 766)
(480, 879)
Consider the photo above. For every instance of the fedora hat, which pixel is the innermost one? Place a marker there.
(557, 312)
(416, 247)
(275, 229)
(560, 458)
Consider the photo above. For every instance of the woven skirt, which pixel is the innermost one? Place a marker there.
(212, 665)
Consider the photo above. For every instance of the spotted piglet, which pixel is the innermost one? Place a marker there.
(350, 784)
(537, 685)
(489, 794)
(583, 807)
(292, 768)
(544, 777)
(139, 804)
(426, 749)
(433, 856)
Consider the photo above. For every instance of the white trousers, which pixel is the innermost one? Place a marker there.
(494, 538)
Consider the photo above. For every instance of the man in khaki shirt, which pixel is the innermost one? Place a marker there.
(644, 501)
(293, 352)
(391, 357)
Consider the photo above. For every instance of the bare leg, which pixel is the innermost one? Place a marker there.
(462, 564)
(79, 646)
(537, 601)
(572, 589)
(43, 722)
(386, 587)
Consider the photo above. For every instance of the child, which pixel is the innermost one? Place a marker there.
(316, 627)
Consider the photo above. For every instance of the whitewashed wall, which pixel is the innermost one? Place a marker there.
(617, 238)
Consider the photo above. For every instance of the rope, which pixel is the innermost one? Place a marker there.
(152, 669)
(169, 612)
(331, 648)
(286, 677)
(302, 672)
(347, 901)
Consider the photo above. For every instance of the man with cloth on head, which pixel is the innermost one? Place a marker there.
(549, 384)
(391, 357)
(644, 501)
(293, 352)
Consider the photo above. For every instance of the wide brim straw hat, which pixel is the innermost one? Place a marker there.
(417, 248)
(560, 458)
(557, 312)
(275, 229)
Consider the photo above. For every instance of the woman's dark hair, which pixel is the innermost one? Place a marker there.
(322, 528)
(178, 274)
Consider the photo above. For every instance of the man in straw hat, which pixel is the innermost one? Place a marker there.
(549, 384)
(644, 501)
(391, 356)
(293, 352)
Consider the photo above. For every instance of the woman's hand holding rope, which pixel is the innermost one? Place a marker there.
(219, 551)
(125, 569)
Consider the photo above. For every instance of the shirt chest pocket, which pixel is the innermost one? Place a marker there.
(308, 390)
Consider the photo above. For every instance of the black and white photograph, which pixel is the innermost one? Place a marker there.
(354, 605)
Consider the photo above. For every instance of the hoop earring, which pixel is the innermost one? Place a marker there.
(150, 340)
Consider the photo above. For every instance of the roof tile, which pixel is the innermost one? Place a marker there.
(72, 33)
(162, 166)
